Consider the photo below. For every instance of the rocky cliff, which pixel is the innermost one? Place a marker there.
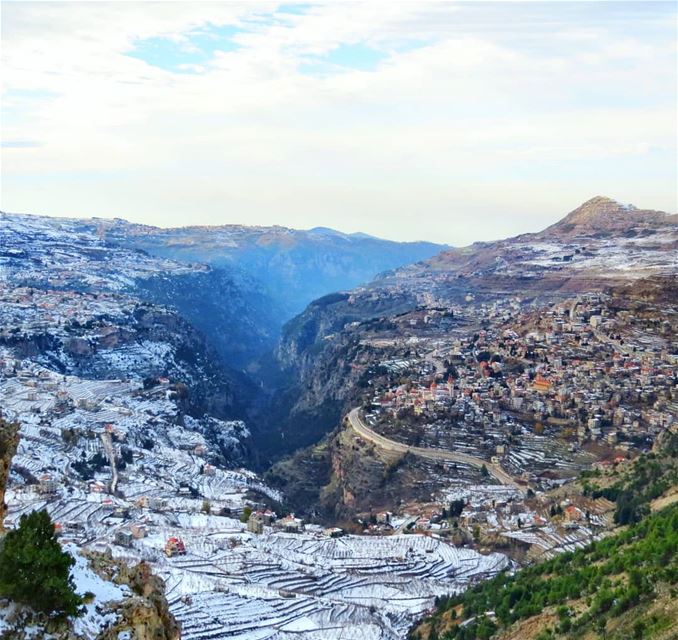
(9, 441)
(321, 367)
(146, 615)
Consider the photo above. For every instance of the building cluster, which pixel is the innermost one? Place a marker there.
(580, 373)
(27, 311)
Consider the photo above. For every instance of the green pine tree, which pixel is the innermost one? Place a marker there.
(34, 570)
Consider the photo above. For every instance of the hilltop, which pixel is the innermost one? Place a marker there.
(604, 216)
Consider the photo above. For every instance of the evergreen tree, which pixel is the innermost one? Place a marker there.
(34, 570)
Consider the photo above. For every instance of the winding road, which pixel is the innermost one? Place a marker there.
(365, 432)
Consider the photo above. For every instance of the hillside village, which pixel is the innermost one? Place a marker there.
(118, 473)
(128, 439)
(544, 392)
(581, 371)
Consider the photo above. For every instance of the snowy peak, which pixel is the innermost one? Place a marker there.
(604, 216)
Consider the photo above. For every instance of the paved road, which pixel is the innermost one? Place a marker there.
(432, 454)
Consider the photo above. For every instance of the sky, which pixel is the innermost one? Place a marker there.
(445, 121)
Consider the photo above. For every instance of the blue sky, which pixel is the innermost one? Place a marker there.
(487, 118)
(194, 49)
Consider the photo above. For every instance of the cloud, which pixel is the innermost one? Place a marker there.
(363, 116)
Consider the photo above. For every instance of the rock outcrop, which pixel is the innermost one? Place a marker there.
(9, 441)
(146, 616)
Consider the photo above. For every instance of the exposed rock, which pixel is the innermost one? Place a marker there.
(9, 441)
(146, 616)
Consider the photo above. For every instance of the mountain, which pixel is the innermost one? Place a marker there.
(77, 306)
(605, 216)
(477, 385)
(597, 244)
(560, 261)
(332, 353)
(241, 283)
(293, 266)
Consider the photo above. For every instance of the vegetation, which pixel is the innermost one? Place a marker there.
(649, 477)
(586, 588)
(246, 513)
(455, 509)
(613, 583)
(34, 570)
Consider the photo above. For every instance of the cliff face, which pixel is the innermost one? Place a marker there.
(145, 341)
(9, 441)
(145, 616)
(344, 476)
(322, 366)
(234, 312)
(139, 613)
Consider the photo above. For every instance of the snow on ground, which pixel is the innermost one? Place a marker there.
(92, 622)
(231, 583)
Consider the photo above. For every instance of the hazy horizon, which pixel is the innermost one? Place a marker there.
(448, 122)
(254, 225)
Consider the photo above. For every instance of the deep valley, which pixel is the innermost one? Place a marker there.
(321, 435)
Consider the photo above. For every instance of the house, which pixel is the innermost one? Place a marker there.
(384, 517)
(156, 504)
(572, 513)
(88, 405)
(290, 524)
(541, 383)
(267, 516)
(255, 523)
(124, 538)
(175, 547)
(97, 487)
(423, 524)
(48, 486)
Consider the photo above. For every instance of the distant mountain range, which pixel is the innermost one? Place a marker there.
(252, 279)
(293, 266)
